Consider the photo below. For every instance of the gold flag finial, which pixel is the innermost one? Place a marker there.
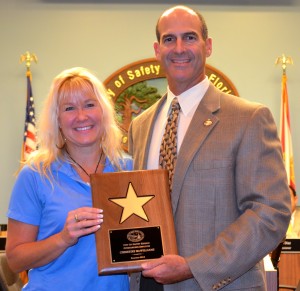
(28, 58)
(283, 60)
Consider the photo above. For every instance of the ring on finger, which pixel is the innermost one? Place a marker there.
(76, 218)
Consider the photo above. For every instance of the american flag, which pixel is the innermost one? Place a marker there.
(285, 134)
(29, 143)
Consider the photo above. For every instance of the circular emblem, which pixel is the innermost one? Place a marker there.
(137, 86)
(135, 235)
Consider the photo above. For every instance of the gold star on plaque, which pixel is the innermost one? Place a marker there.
(132, 204)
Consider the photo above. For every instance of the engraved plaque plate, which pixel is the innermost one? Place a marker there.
(135, 244)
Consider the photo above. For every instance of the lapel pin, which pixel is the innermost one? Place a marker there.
(207, 122)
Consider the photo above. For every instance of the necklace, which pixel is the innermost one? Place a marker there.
(89, 175)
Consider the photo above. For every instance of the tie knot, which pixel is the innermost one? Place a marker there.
(175, 104)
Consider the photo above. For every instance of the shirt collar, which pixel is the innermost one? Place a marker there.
(190, 98)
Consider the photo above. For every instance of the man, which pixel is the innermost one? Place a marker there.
(230, 196)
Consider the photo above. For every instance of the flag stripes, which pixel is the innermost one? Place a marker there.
(285, 134)
(29, 142)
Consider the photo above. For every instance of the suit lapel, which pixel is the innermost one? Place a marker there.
(202, 123)
(147, 125)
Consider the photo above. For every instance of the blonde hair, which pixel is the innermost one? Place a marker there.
(73, 82)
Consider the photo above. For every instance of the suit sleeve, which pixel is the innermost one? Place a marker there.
(263, 202)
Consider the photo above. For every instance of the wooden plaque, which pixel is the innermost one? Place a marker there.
(138, 221)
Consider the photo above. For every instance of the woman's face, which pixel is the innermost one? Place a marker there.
(80, 121)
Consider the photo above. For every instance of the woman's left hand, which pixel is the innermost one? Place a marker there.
(23, 250)
(80, 222)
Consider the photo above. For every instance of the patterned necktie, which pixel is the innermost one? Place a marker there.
(168, 148)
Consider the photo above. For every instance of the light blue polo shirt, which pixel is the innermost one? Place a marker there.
(36, 201)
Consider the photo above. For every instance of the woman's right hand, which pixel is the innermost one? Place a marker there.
(80, 222)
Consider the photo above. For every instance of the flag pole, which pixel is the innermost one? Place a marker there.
(28, 58)
(284, 61)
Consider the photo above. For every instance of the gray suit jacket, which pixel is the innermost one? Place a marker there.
(230, 196)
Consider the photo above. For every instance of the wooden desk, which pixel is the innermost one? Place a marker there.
(289, 269)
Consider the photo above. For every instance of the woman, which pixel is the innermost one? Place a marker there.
(51, 221)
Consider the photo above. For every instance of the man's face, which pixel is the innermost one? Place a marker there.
(182, 50)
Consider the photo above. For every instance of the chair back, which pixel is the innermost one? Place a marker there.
(9, 281)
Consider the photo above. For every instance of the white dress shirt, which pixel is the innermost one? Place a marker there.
(189, 101)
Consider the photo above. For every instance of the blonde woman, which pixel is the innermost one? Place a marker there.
(51, 221)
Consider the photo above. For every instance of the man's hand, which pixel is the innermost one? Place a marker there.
(167, 269)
